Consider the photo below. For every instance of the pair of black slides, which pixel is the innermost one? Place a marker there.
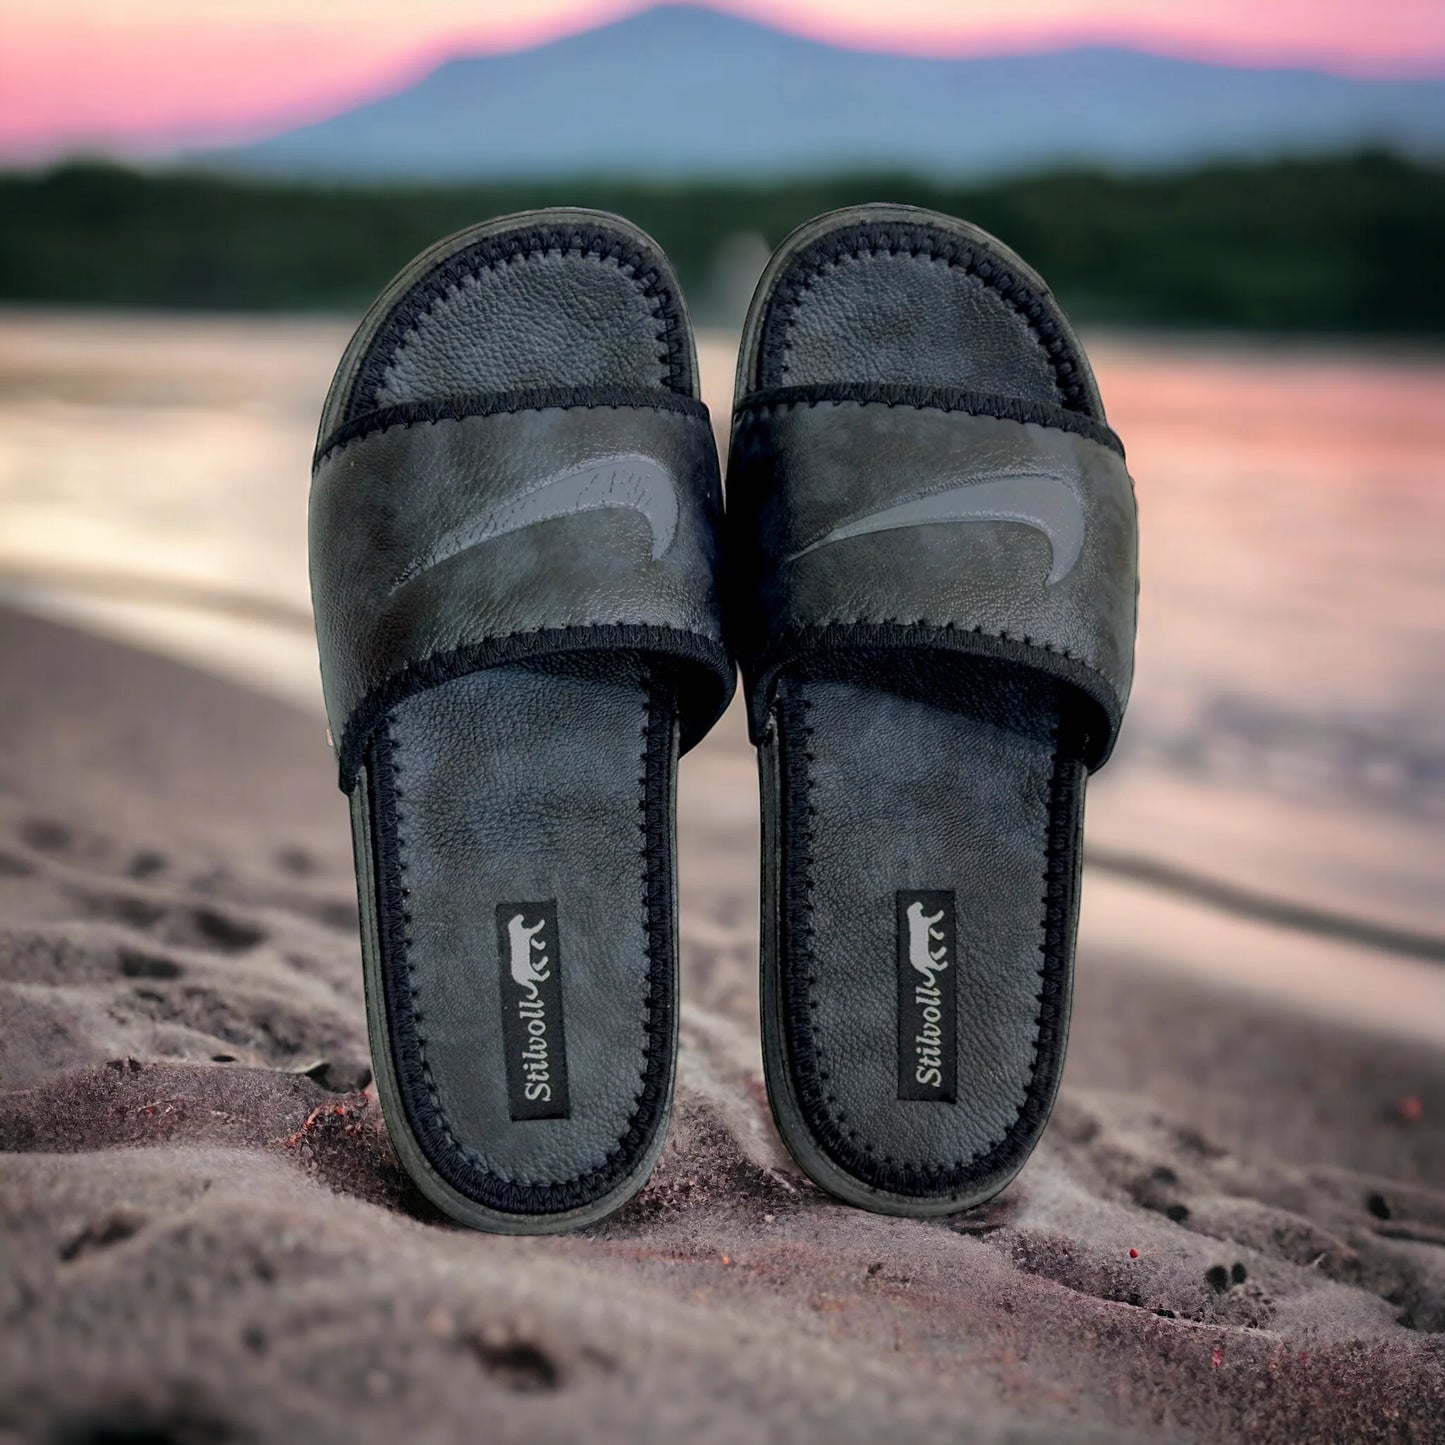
(529, 601)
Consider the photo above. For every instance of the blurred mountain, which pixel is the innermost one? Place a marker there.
(680, 90)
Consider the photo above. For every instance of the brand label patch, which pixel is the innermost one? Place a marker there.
(927, 1013)
(530, 955)
(1044, 502)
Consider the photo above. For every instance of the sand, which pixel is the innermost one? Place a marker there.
(196, 1246)
(1234, 1228)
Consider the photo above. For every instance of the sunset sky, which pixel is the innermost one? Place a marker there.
(129, 75)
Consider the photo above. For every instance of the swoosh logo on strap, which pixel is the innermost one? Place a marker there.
(636, 482)
(1046, 503)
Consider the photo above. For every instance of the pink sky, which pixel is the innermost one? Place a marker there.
(131, 75)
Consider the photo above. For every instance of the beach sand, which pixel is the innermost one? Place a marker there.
(1233, 1229)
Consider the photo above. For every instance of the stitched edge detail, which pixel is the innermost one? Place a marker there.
(532, 243)
(457, 1164)
(698, 707)
(759, 404)
(796, 643)
(1039, 312)
(804, 1056)
(494, 403)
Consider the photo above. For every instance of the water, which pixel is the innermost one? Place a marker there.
(1287, 728)
(1286, 734)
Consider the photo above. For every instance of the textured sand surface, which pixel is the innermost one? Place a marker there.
(1234, 1228)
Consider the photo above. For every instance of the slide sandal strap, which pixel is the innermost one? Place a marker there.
(868, 523)
(446, 543)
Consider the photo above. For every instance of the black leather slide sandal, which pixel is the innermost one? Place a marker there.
(932, 563)
(514, 516)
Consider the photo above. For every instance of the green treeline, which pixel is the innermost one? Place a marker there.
(1350, 244)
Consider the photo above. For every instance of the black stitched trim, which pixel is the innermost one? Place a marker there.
(593, 242)
(1037, 310)
(805, 1067)
(493, 403)
(929, 398)
(711, 678)
(425, 1115)
(1100, 715)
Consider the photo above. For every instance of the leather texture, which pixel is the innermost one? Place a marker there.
(516, 324)
(899, 789)
(934, 604)
(554, 766)
(566, 297)
(896, 294)
(405, 566)
(801, 473)
(962, 331)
